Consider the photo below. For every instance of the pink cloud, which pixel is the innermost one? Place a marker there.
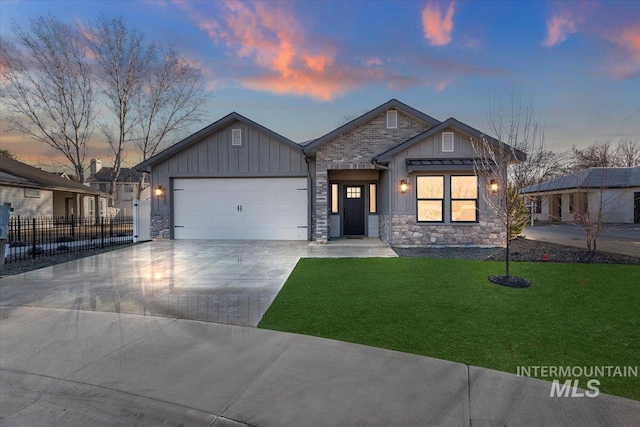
(270, 36)
(629, 39)
(438, 27)
(558, 27)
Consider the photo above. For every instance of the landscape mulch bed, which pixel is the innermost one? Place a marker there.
(521, 250)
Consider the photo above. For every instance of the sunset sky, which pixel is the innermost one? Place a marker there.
(299, 67)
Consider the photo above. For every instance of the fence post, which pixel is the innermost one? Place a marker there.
(73, 228)
(102, 231)
(19, 229)
(33, 238)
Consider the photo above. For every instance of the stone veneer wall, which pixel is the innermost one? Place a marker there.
(354, 150)
(160, 226)
(407, 232)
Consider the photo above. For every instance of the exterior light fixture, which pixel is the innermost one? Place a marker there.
(159, 191)
(404, 186)
(493, 186)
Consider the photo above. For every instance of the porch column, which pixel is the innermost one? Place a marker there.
(321, 231)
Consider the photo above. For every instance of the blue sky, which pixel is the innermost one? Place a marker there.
(299, 67)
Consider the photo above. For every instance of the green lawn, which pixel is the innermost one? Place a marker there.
(573, 315)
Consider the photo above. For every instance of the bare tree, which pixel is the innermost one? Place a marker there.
(171, 97)
(8, 154)
(350, 117)
(515, 129)
(598, 154)
(47, 89)
(628, 153)
(122, 61)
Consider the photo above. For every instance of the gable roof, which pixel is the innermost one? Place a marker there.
(17, 174)
(590, 178)
(209, 130)
(104, 175)
(449, 123)
(394, 103)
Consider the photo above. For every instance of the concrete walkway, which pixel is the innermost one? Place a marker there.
(78, 368)
(75, 352)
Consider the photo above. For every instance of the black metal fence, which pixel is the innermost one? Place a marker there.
(35, 237)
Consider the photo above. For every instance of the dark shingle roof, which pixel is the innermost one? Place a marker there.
(591, 178)
(18, 174)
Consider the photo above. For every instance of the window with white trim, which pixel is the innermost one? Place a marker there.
(464, 198)
(373, 198)
(335, 195)
(32, 192)
(447, 142)
(430, 192)
(392, 119)
(236, 137)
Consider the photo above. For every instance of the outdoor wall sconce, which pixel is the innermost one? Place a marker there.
(493, 186)
(159, 191)
(404, 186)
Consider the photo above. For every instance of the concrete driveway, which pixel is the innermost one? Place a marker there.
(232, 282)
(621, 239)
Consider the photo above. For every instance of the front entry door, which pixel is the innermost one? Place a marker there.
(636, 208)
(354, 210)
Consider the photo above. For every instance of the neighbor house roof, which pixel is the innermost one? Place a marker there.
(392, 104)
(211, 129)
(590, 178)
(104, 175)
(450, 123)
(17, 174)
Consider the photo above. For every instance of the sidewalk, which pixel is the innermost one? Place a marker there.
(77, 368)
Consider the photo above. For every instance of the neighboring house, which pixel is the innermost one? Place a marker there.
(126, 191)
(236, 179)
(34, 192)
(562, 199)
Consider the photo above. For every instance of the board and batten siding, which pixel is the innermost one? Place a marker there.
(215, 157)
(430, 148)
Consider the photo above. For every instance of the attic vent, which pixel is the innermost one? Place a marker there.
(447, 142)
(236, 137)
(392, 119)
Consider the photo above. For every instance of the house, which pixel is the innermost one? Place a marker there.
(567, 197)
(126, 191)
(393, 173)
(34, 192)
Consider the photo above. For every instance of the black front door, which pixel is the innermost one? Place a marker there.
(636, 208)
(353, 210)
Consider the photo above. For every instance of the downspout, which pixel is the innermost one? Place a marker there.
(310, 198)
(387, 168)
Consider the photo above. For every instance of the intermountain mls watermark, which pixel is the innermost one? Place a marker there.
(570, 387)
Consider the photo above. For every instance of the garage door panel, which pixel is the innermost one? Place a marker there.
(271, 208)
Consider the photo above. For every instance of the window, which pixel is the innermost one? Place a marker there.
(102, 187)
(128, 188)
(392, 119)
(464, 198)
(32, 192)
(430, 191)
(572, 201)
(354, 192)
(236, 137)
(373, 198)
(335, 195)
(538, 202)
(447, 142)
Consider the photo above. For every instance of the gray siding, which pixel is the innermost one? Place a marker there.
(430, 148)
(215, 157)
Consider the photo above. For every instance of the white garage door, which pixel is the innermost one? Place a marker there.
(243, 208)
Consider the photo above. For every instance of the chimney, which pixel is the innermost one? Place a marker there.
(95, 166)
